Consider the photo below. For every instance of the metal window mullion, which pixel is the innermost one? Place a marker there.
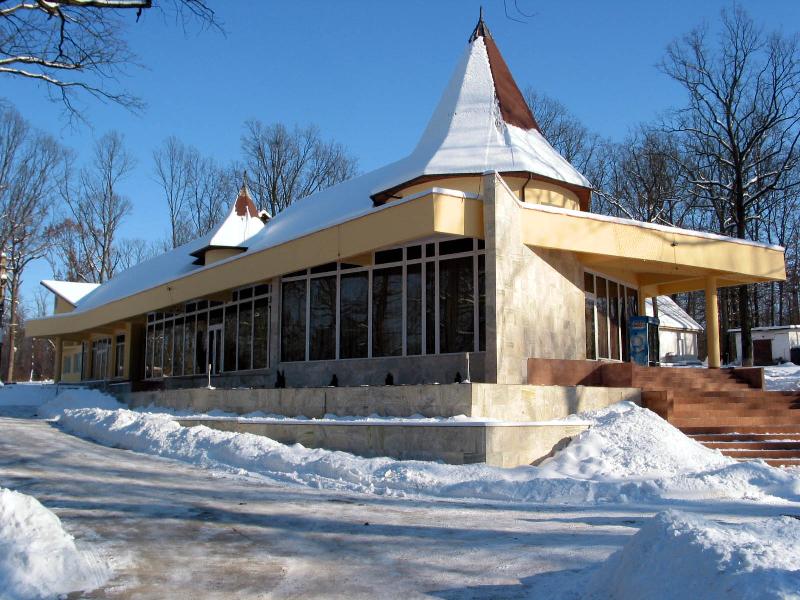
(424, 290)
(369, 313)
(404, 275)
(308, 317)
(437, 327)
(338, 308)
(476, 300)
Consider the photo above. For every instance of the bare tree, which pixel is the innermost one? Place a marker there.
(87, 244)
(565, 132)
(741, 125)
(174, 169)
(286, 165)
(30, 167)
(79, 45)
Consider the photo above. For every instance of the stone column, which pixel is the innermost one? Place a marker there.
(57, 360)
(712, 323)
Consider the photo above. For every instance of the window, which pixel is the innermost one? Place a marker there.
(293, 321)
(414, 308)
(229, 352)
(100, 351)
(608, 304)
(322, 318)
(602, 317)
(177, 344)
(245, 355)
(354, 325)
(456, 304)
(67, 366)
(119, 368)
(387, 312)
(261, 333)
(410, 302)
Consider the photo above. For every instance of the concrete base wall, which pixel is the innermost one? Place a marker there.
(440, 368)
(490, 401)
(499, 445)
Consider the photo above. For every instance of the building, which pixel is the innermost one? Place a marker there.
(678, 333)
(462, 260)
(771, 345)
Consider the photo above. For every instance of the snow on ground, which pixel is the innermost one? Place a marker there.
(782, 377)
(28, 394)
(38, 559)
(757, 560)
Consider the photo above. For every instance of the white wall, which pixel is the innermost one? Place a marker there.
(677, 343)
(782, 342)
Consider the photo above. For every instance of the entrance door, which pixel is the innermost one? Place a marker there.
(762, 352)
(215, 348)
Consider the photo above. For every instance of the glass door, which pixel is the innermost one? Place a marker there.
(214, 349)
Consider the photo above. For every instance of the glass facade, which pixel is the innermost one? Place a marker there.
(176, 343)
(419, 299)
(608, 305)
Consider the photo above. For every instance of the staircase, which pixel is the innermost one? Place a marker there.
(722, 411)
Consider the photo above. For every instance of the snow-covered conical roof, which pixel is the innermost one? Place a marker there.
(482, 123)
(242, 223)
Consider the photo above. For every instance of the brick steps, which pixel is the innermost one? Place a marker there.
(722, 412)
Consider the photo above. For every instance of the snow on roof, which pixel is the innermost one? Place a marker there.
(71, 291)
(468, 132)
(242, 223)
(672, 316)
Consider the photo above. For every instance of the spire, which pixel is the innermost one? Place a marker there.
(481, 29)
(245, 207)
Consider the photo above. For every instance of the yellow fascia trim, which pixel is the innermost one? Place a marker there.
(438, 212)
(578, 232)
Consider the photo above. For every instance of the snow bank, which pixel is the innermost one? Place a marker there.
(38, 559)
(27, 394)
(630, 455)
(783, 377)
(627, 441)
(676, 555)
(74, 399)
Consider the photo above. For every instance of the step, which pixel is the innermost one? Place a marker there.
(738, 444)
(742, 424)
(698, 412)
(763, 454)
(782, 462)
(782, 429)
(745, 437)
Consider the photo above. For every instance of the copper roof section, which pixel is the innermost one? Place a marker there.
(513, 108)
(244, 203)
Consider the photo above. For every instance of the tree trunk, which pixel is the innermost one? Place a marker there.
(12, 334)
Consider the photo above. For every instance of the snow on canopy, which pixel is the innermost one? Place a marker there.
(467, 134)
(71, 291)
(672, 316)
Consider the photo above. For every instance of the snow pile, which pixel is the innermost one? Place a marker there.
(676, 555)
(38, 559)
(27, 394)
(77, 398)
(783, 377)
(627, 441)
(630, 453)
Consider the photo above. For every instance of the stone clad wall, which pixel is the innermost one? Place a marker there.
(537, 306)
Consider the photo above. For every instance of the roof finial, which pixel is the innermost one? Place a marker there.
(481, 30)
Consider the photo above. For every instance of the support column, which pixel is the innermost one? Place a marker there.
(642, 302)
(57, 360)
(712, 323)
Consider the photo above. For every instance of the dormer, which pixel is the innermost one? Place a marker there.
(229, 237)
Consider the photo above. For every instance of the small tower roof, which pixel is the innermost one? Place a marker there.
(482, 123)
(242, 223)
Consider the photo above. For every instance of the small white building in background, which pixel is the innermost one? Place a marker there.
(770, 344)
(678, 333)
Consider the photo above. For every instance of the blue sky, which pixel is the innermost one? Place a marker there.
(370, 73)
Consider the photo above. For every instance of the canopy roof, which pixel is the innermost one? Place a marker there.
(71, 291)
(672, 316)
